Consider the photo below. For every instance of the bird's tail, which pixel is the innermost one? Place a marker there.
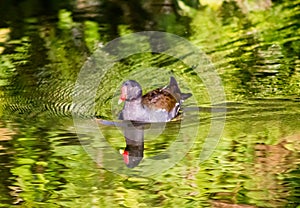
(174, 89)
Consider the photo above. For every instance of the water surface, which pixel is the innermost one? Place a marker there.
(254, 48)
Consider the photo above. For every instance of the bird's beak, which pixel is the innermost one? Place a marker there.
(123, 95)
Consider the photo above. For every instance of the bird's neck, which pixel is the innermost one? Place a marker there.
(136, 103)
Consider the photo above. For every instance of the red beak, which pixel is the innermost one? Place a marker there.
(123, 95)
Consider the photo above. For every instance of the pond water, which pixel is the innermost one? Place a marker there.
(235, 144)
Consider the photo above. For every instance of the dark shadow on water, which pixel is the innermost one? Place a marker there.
(133, 133)
(134, 151)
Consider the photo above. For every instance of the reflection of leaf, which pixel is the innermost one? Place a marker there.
(65, 19)
(23, 161)
(22, 171)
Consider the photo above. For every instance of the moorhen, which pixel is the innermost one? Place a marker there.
(159, 105)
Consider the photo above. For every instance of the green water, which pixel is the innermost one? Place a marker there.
(50, 155)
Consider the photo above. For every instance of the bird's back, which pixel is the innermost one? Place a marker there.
(159, 99)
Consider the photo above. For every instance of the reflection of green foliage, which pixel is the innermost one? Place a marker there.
(124, 30)
(9, 62)
(257, 55)
(256, 59)
(170, 24)
(91, 34)
(65, 20)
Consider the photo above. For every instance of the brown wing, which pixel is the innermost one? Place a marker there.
(159, 99)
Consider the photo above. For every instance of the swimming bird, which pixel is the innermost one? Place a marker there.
(159, 105)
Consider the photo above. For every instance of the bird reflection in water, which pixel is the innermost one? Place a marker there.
(133, 132)
(134, 137)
